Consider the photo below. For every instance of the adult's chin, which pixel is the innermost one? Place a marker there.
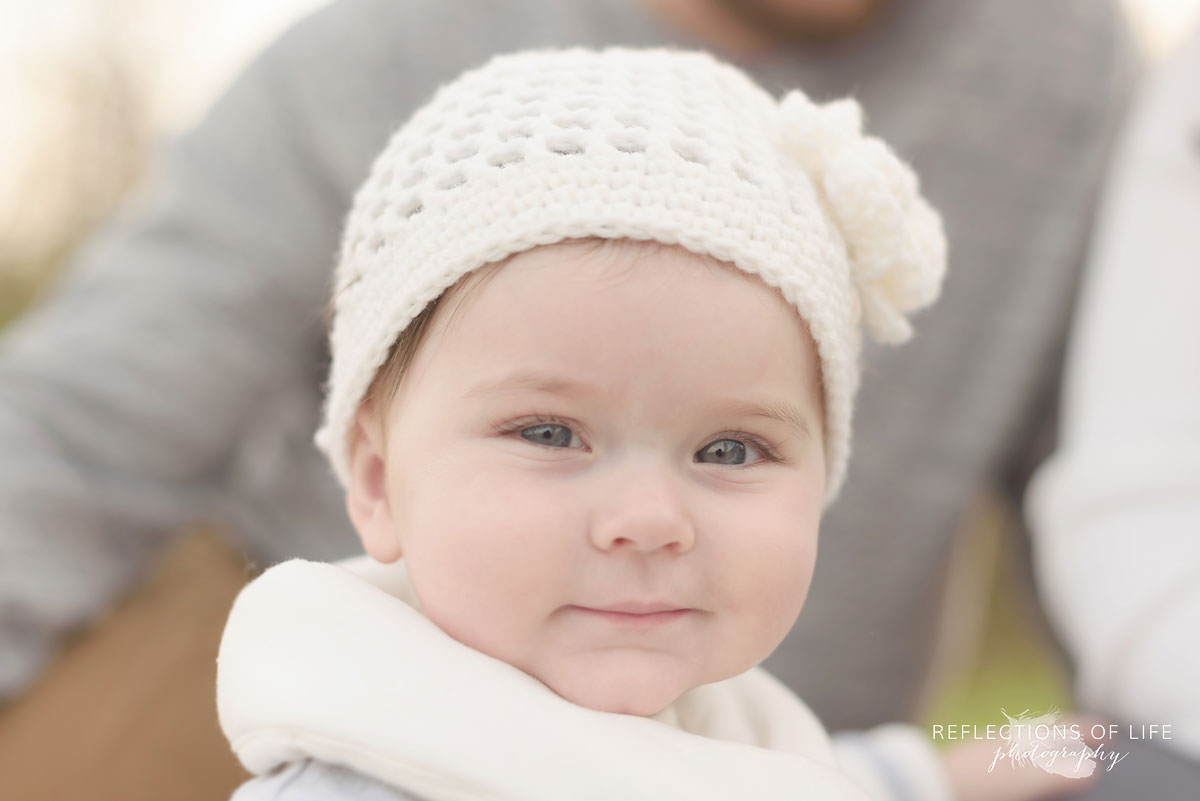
(799, 22)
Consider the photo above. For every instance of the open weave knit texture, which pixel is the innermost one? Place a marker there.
(657, 144)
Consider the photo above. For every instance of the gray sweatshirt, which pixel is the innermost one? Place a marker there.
(174, 376)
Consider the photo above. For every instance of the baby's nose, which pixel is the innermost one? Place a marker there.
(645, 515)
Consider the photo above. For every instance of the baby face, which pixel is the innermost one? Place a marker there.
(606, 469)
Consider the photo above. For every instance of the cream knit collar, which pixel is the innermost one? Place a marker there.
(337, 663)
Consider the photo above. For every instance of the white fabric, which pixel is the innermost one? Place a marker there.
(545, 145)
(1115, 514)
(336, 663)
(894, 762)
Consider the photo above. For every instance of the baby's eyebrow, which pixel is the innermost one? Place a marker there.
(529, 380)
(784, 412)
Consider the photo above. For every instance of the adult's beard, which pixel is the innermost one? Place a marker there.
(804, 24)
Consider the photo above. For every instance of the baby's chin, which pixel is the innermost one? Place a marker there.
(644, 699)
(627, 689)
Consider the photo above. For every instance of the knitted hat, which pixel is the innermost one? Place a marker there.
(650, 144)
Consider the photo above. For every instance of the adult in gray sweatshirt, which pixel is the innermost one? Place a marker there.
(174, 375)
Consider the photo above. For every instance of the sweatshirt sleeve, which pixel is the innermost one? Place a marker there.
(893, 762)
(122, 394)
(1115, 512)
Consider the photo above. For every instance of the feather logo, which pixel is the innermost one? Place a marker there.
(1040, 741)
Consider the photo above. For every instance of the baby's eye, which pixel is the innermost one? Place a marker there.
(733, 451)
(547, 431)
(552, 435)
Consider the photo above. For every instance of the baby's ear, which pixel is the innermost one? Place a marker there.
(366, 496)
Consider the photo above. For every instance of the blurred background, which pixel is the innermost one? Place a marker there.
(89, 89)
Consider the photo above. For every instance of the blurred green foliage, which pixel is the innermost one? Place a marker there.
(1017, 667)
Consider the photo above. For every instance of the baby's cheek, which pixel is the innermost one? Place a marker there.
(497, 542)
(784, 572)
(478, 588)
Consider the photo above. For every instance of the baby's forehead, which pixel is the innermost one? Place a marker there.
(630, 291)
(615, 257)
(650, 267)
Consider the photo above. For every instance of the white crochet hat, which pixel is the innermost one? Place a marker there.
(653, 144)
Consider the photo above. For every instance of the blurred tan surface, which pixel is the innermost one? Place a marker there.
(127, 710)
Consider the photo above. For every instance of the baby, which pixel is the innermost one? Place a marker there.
(595, 340)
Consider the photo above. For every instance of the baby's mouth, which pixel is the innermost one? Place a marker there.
(652, 615)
